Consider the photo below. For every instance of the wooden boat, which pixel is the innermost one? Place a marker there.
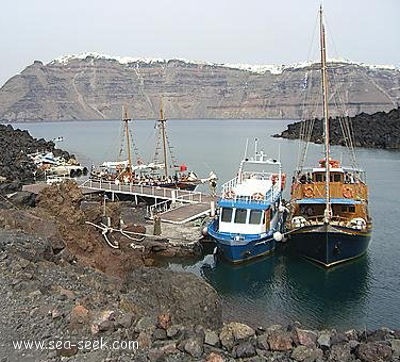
(172, 174)
(160, 173)
(329, 221)
(249, 220)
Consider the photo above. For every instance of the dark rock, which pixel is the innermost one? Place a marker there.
(378, 130)
(338, 338)
(352, 334)
(304, 353)
(125, 320)
(262, 342)
(373, 351)
(23, 199)
(380, 334)
(244, 350)
(194, 347)
(15, 164)
(162, 290)
(106, 325)
(159, 334)
(144, 323)
(340, 353)
(175, 331)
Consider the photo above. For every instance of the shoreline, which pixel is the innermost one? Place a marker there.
(69, 301)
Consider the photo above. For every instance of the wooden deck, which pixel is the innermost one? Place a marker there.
(188, 212)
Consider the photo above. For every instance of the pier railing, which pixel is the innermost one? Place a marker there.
(155, 192)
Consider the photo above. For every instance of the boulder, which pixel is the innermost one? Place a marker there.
(306, 337)
(374, 351)
(280, 340)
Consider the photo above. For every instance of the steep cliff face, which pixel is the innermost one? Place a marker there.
(97, 87)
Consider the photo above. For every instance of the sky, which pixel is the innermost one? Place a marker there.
(219, 31)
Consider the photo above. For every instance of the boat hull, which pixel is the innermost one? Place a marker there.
(329, 245)
(238, 249)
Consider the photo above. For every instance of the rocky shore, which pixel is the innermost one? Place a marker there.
(379, 130)
(15, 164)
(169, 316)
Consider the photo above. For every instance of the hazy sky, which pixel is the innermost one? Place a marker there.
(221, 31)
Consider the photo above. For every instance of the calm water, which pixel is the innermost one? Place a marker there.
(280, 288)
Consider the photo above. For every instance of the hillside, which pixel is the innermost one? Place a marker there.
(96, 87)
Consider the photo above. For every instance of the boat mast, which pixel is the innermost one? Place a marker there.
(324, 84)
(162, 121)
(126, 120)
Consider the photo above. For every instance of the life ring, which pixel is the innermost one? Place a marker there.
(347, 192)
(258, 196)
(230, 194)
(308, 192)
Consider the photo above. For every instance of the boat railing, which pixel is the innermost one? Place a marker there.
(250, 199)
(258, 198)
(320, 220)
(259, 175)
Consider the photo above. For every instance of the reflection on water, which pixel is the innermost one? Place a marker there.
(283, 289)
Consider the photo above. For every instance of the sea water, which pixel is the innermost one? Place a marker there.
(280, 288)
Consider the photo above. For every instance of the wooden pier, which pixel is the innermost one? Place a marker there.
(177, 206)
(174, 206)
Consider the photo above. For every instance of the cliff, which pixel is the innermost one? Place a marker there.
(96, 87)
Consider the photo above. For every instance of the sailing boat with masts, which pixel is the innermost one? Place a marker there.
(329, 220)
(161, 173)
(173, 174)
(119, 171)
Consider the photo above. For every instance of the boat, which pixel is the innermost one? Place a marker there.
(329, 221)
(168, 171)
(160, 173)
(250, 214)
(48, 165)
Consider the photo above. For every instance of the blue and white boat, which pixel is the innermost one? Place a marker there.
(249, 218)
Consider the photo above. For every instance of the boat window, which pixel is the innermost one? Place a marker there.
(335, 177)
(255, 216)
(319, 177)
(240, 216)
(226, 215)
(349, 209)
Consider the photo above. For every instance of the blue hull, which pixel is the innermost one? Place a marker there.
(329, 245)
(249, 247)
